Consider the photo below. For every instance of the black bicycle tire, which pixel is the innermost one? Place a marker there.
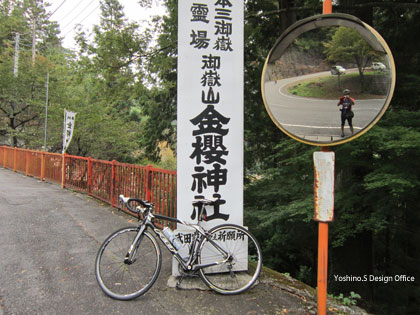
(143, 290)
(258, 268)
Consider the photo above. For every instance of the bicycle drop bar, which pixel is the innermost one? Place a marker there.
(126, 201)
(163, 217)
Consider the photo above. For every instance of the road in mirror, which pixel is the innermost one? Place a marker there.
(304, 84)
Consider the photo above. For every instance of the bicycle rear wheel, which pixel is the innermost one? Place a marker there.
(240, 269)
(124, 281)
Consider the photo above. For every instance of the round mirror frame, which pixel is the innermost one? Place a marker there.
(334, 19)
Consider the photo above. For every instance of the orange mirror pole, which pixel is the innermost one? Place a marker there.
(327, 7)
(322, 278)
(324, 164)
(322, 267)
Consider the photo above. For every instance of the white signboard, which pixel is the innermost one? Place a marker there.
(324, 186)
(210, 109)
(69, 118)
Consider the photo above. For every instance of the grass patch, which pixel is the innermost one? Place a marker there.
(331, 86)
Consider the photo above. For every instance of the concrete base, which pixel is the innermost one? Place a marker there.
(195, 283)
(189, 283)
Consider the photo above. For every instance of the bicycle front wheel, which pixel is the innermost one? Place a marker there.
(238, 257)
(125, 281)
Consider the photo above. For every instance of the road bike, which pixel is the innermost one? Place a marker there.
(226, 257)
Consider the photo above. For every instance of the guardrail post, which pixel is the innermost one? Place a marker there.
(89, 173)
(27, 162)
(4, 157)
(63, 171)
(113, 192)
(14, 158)
(149, 175)
(43, 166)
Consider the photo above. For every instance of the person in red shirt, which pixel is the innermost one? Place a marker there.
(347, 104)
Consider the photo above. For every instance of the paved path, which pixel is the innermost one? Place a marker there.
(315, 119)
(48, 243)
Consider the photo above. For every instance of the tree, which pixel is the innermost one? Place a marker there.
(159, 104)
(376, 211)
(105, 86)
(396, 22)
(279, 210)
(22, 85)
(347, 45)
(116, 48)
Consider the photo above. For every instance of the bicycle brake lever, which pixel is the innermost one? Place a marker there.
(124, 199)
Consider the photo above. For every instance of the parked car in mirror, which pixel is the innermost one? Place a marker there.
(337, 70)
(378, 66)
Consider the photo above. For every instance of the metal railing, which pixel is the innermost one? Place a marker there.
(104, 180)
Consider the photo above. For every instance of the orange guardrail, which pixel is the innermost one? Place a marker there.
(105, 180)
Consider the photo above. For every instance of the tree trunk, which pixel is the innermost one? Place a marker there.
(287, 17)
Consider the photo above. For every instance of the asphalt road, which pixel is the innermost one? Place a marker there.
(311, 118)
(49, 238)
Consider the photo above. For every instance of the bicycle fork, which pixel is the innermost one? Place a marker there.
(131, 254)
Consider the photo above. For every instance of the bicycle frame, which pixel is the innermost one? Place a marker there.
(220, 256)
(193, 249)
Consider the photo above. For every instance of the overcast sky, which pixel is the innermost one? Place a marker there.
(69, 13)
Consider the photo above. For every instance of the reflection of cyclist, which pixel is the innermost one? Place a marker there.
(346, 111)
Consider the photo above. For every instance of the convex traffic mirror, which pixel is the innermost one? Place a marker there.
(328, 79)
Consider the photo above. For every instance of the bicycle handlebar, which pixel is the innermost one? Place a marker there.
(126, 201)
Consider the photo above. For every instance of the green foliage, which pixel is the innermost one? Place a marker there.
(377, 171)
(347, 301)
(103, 82)
(398, 25)
(377, 180)
(376, 207)
(279, 208)
(347, 45)
(22, 80)
(159, 104)
(327, 88)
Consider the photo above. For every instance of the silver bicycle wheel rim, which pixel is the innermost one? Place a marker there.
(242, 272)
(119, 280)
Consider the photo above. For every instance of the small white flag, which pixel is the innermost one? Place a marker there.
(69, 118)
